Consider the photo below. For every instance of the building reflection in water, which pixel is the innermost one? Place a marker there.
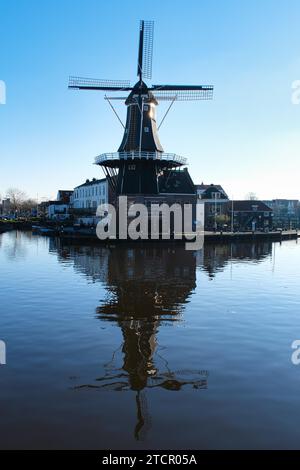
(146, 287)
(215, 257)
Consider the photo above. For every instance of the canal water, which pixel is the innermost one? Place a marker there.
(148, 346)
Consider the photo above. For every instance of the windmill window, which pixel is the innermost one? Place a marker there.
(131, 167)
(146, 129)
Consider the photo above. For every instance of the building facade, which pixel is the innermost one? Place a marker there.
(5, 207)
(215, 200)
(64, 195)
(59, 209)
(286, 213)
(89, 195)
(250, 215)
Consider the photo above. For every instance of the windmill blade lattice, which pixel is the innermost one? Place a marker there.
(99, 84)
(148, 49)
(184, 95)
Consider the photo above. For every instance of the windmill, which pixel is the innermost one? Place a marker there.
(141, 167)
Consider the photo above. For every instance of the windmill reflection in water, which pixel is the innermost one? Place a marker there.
(146, 288)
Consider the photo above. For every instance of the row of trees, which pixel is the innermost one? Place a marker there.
(19, 201)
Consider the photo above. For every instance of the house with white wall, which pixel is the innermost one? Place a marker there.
(81, 203)
(90, 194)
(59, 209)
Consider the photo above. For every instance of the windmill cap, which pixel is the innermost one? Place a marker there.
(140, 88)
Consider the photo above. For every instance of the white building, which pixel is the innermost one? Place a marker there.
(58, 210)
(90, 194)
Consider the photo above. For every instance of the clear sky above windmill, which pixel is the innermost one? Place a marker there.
(246, 139)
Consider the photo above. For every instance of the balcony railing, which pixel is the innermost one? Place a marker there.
(169, 157)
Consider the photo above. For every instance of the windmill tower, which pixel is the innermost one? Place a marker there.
(140, 168)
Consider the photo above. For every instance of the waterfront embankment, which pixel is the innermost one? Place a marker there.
(90, 236)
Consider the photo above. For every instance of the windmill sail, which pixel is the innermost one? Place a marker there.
(145, 55)
(81, 83)
(182, 92)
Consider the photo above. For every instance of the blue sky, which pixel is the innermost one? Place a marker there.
(246, 139)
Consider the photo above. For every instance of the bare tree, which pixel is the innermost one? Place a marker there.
(251, 197)
(28, 205)
(16, 197)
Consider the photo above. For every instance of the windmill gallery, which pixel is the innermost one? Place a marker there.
(141, 170)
